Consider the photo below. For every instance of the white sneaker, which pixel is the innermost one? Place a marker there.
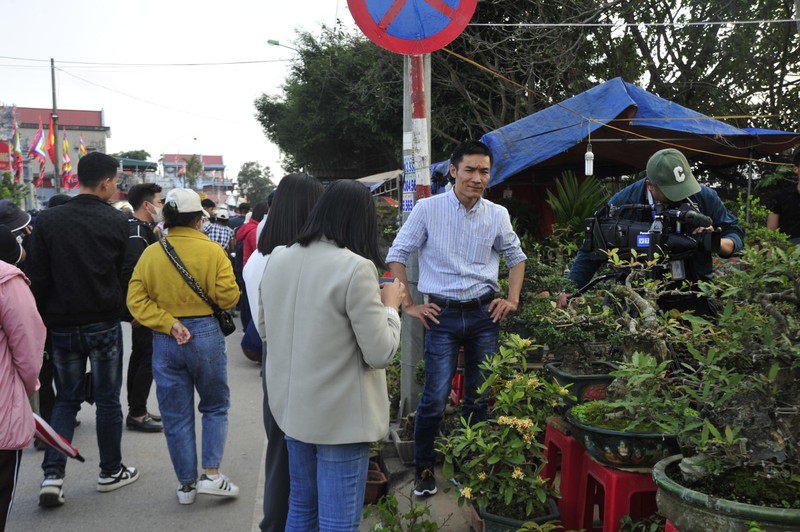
(52, 491)
(187, 493)
(218, 485)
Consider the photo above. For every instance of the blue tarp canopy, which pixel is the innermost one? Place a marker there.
(627, 125)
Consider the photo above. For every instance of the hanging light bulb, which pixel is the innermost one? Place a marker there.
(588, 159)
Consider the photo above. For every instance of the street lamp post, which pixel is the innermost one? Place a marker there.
(273, 42)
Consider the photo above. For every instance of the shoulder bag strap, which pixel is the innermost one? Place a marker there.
(178, 263)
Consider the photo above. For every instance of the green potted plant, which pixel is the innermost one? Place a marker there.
(579, 338)
(635, 426)
(388, 517)
(498, 462)
(403, 438)
(740, 460)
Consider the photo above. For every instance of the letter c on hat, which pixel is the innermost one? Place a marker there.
(680, 175)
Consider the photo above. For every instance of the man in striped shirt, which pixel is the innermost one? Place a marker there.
(460, 237)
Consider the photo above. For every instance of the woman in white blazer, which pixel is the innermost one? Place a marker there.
(294, 198)
(330, 331)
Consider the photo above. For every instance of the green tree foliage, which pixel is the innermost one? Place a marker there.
(194, 166)
(139, 155)
(16, 192)
(255, 182)
(341, 109)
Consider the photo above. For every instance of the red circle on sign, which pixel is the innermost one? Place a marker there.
(376, 31)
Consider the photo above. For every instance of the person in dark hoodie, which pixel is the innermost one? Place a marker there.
(75, 268)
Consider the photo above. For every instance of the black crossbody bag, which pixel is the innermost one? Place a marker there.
(224, 317)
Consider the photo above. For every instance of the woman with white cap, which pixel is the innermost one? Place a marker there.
(188, 344)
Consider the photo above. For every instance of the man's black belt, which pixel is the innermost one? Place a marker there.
(470, 304)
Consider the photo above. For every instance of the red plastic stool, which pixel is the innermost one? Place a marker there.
(617, 493)
(564, 451)
(669, 527)
(457, 393)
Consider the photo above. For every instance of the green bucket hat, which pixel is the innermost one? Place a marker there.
(670, 172)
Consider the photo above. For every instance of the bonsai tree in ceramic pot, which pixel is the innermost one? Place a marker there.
(741, 372)
(635, 426)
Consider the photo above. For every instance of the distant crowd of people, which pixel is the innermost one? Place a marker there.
(302, 269)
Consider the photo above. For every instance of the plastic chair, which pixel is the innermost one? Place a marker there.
(617, 493)
(457, 393)
(564, 452)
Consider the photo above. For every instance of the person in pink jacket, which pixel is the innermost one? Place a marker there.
(22, 336)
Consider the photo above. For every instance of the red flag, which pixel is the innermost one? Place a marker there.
(51, 142)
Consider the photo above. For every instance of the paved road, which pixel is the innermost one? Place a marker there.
(150, 503)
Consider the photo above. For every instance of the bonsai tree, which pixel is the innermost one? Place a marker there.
(727, 386)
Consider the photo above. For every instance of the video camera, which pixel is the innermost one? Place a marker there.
(669, 233)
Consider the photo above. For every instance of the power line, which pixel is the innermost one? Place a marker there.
(91, 63)
(630, 24)
(146, 101)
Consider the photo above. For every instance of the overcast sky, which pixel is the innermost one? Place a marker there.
(161, 109)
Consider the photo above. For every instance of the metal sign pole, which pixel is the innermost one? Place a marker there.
(416, 185)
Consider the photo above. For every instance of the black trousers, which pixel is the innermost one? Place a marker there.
(47, 393)
(9, 471)
(140, 370)
(276, 467)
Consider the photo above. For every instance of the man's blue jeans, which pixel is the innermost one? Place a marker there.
(178, 370)
(327, 486)
(101, 344)
(475, 331)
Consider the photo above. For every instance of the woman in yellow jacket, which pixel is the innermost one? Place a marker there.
(188, 345)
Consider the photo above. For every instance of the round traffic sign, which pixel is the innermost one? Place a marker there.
(412, 26)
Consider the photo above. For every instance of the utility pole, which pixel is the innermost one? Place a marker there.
(416, 185)
(56, 143)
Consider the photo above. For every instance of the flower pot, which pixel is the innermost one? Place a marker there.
(405, 448)
(584, 387)
(692, 511)
(476, 522)
(376, 486)
(622, 449)
(499, 523)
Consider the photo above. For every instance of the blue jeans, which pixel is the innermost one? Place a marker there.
(178, 370)
(101, 345)
(327, 486)
(475, 331)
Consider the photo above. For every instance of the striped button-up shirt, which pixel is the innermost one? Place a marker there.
(459, 251)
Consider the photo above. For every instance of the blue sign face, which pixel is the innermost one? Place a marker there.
(643, 240)
(414, 20)
(412, 26)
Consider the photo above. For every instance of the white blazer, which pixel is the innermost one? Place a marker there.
(328, 339)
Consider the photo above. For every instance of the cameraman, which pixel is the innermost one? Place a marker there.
(669, 181)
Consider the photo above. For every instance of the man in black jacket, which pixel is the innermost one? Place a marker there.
(77, 252)
(145, 199)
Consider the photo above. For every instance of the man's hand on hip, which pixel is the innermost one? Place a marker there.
(423, 313)
(499, 309)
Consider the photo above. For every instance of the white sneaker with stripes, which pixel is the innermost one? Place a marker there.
(218, 485)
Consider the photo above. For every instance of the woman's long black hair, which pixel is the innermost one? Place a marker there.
(345, 214)
(294, 198)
